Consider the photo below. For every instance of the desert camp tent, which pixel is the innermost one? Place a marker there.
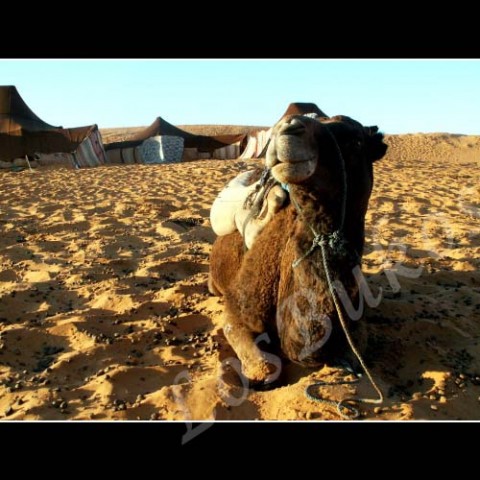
(231, 148)
(195, 146)
(22, 133)
(258, 141)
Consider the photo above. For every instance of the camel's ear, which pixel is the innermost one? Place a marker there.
(376, 149)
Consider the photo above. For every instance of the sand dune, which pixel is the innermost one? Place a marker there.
(105, 312)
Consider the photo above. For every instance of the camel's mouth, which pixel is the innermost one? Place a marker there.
(289, 161)
(289, 155)
(288, 172)
(288, 148)
(274, 161)
(292, 153)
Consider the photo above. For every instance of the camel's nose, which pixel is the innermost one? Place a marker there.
(292, 126)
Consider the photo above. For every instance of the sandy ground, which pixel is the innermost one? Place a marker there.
(105, 312)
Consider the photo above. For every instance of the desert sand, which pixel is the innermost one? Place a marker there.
(105, 312)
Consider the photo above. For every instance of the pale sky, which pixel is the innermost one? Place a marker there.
(400, 96)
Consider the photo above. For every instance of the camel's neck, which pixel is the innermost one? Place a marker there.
(321, 210)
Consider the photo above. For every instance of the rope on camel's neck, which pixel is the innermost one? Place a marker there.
(336, 242)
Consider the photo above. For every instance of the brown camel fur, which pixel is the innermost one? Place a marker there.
(263, 292)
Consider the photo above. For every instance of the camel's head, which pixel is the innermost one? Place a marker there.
(303, 148)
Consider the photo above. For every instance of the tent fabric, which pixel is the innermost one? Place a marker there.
(257, 142)
(52, 141)
(15, 114)
(228, 152)
(90, 153)
(199, 146)
(127, 155)
(23, 133)
(201, 142)
(162, 149)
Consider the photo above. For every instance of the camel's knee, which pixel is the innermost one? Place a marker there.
(256, 365)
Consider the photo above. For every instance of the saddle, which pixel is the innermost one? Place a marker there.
(247, 204)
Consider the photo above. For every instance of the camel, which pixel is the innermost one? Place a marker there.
(279, 286)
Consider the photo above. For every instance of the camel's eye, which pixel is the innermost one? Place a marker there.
(357, 144)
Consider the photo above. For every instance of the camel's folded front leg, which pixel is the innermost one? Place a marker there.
(255, 365)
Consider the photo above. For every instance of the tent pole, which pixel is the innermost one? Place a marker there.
(28, 163)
